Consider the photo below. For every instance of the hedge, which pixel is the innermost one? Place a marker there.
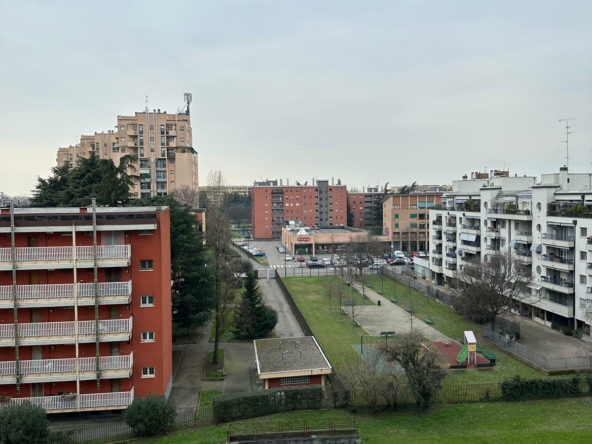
(227, 408)
(518, 389)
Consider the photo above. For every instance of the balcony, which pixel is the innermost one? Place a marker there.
(503, 213)
(84, 402)
(450, 270)
(172, 143)
(558, 285)
(589, 244)
(557, 263)
(492, 247)
(524, 236)
(492, 232)
(471, 229)
(557, 240)
(62, 295)
(437, 225)
(589, 268)
(35, 258)
(450, 258)
(171, 132)
(53, 370)
(437, 239)
(42, 333)
(451, 228)
(171, 154)
(436, 253)
(436, 267)
(471, 247)
(564, 310)
(524, 256)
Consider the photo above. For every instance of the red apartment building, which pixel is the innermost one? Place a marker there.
(85, 306)
(321, 205)
(364, 206)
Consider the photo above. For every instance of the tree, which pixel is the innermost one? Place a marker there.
(23, 424)
(489, 289)
(239, 214)
(378, 211)
(151, 416)
(186, 196)
(422, 365)
(253, 319)
(351, 218)
(192, 273)
(92, 177)
(408, 189)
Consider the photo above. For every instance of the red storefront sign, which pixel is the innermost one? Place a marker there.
(303, 239)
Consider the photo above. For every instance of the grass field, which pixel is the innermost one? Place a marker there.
(335, 334)
(206, 398)
(540, 422)
(214, 371)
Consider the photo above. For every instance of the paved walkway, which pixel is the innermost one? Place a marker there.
(388, 317)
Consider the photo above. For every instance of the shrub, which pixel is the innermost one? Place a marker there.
(239, 406)
(23, 424)
(151, 416)
(518, 389)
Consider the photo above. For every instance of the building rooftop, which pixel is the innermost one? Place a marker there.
(289, 354)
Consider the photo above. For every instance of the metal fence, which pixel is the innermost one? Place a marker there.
(286, 429)
(299, 316)
(551, 365)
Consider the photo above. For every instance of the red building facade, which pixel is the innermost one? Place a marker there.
(68, 273)
(320, 205)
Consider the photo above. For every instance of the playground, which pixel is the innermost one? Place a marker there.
(468, 355)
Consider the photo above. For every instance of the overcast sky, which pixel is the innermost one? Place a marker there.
(366, 91)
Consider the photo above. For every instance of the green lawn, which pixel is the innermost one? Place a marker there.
(206, 398)
(335, 334)
(262, 260)
(214, 371)
(332, 328)
(537, 422)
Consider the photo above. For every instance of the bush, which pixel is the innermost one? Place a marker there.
(23, 424)
(518, 389)
(151, 416)
(239, 406)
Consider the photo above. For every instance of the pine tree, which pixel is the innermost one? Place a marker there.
(252, 318)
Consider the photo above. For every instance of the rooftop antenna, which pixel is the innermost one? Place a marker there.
(566, 141)
(146, 109)
(188, 98)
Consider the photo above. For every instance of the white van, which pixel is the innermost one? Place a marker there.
(399, 254)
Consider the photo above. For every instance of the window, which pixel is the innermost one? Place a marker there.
(583, 255)
(146, 232)
(502, 243)
(144, 163)
(583, 231)
(295, 380)
(413, 215)
(151, 127)
(172, 172)
(122, 128)
(141, 129)
(412, 225)
(146, 264)
(123, 139)
(151, 138)
(147, 301)
(396, 225)
(583, 279)
(162, 140)
(396, 215)
(182, 128)
(147, 336)
(182, 139)
(502, 224)
(148, 372)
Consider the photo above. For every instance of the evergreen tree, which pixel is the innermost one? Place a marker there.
(23, 424)
(350, 214)
(253, 319)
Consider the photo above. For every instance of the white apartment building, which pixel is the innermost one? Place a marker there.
(547, 224)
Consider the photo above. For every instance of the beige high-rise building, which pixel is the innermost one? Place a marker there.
(161, 143)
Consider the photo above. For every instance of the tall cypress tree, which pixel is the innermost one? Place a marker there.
(252, 318)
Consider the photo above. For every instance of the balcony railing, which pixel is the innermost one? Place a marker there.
(523, 233)
(471, 227)
(63, 294)
(51, 254)
(558, 237)
(94, 401)
(492, 247)
(526, 253)
(37, 333)
(557, 259)
(557, 281)
(64, 366)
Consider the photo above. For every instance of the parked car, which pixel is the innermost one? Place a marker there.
(313, 258)
(289, 257)
(313, 264)
(301, 259)
(398, 261)
(380, 262)
(326, 261)
(258, 253)
(375, 266)
(281, 250)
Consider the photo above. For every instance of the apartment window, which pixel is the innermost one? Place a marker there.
(413, 225)
(147, 301)
(413, 215)
(141, 140)
(146, 264)
(161, 174)
(172, 172)
(105, 145)
(583, 255)
(162, 152)
(412, 206)
(502, 243)
(147, 336)
(151, 127)
(172, 182)
(151, 138)
(135, 128)
(148, 372)
(397, 225)
(123, 139)
(295, 380)
(583, 231)
(502, 224)
(146, 232)
(161, 129)
(396, 215)
(122, 128)
(182, 139)
(182, 128)
(141, 129)
(583, 279)
(123, 150)
(162, 140)
(516, 225)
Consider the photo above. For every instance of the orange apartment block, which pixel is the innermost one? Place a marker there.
(406, 220)
(85, 306)
(363, 206)
(320, 205)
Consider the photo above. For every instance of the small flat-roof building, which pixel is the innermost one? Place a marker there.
(291, 362)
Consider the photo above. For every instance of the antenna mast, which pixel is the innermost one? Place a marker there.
(188, 98)
(146, 109)
(566, 141)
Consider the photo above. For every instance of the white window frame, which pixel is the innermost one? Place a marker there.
(148, 372)
(147, 301)
(151, 268)
(145, 337)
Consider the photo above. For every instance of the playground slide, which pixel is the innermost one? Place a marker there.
(462, 354)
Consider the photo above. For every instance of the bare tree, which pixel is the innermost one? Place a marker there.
(423, 366)
(186, 195)
(489, 289)
(218, 240)
(373, 377)
(352, 306)
(330, 285)
(239, 214)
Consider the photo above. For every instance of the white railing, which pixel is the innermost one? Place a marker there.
(64, 291)
(43, 329)
(91, 401)
(49, 254)
(68, 365)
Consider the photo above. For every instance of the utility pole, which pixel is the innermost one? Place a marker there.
(566, 141)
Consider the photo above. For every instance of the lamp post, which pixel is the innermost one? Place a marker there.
(285, 268)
